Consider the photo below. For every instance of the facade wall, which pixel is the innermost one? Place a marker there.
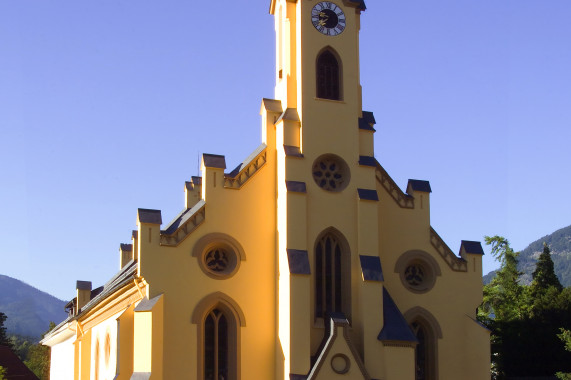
(268, 300)
(62, 355)
(246, 215)
(104, 349)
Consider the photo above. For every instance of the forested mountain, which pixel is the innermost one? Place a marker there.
(559, 243)
(28, 309)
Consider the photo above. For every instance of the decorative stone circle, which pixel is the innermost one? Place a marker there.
(331, 173)
(219, 260)
(218, 255)
(414, 274)
(340, 364)
(418, 276)
(417, 270)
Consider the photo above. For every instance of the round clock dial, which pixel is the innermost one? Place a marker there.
(328, 18)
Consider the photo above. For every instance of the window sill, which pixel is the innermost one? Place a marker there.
(330, 100)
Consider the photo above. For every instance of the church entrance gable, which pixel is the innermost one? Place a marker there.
(338, 358)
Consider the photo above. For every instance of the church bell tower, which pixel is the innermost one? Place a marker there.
(326, 189)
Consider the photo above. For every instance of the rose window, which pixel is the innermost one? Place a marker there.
(330, 173)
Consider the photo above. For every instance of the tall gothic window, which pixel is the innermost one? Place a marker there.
(421, 364)
(216, 337)
(330, 266)
(219, 319)
(328, 76)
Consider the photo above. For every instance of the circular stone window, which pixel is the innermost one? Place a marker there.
(218, 255)
(340, 364)
(414, 275)
(219, 260)
(330, 173)
(417, 271)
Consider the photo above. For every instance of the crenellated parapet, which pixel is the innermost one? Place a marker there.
(183, 225)
(243, 172)
(454, 262)
(402, 199)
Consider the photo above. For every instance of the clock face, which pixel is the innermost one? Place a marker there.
(328, 18)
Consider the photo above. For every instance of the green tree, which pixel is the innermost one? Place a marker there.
(544, 274)
(522, 320)
(4, 340)
(565, 336)
(504, 297)
(38, 360)
(3, 373)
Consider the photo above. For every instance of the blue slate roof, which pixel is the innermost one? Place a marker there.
(367, 194)
(214, 161)
(395, 328)
(296, 186)
(149, 216)
(419, 185)
(361, 4)
(298, 261)
(474, 247)
(292, 151)
(371, 268)
(367, 161)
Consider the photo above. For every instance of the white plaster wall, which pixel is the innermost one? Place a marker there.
(61, 367)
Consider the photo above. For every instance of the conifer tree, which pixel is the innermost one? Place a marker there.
(4, 340)
(503, 296)
(544, 274)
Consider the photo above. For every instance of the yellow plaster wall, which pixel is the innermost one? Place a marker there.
(372, 311)
(85, 356)
(143, 342)
(454, 296)
(398, 364)
(248, 215)
(125, 346)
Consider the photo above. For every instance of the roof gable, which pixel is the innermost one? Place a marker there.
(338, 358)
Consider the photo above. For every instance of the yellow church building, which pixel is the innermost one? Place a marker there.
(306, 261)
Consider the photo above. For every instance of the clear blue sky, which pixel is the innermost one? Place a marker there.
(474, 96)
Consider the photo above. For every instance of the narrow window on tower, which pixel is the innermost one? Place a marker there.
(331, 276)
(328, 76)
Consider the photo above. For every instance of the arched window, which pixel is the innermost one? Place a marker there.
(328, 76)
(219, 319)
(427, 332)
(216, 365)
(421, 364)
(331, 276)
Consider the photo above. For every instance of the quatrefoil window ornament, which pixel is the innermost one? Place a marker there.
(330, 173)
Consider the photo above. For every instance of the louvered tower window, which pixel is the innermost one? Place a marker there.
(328, 76)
